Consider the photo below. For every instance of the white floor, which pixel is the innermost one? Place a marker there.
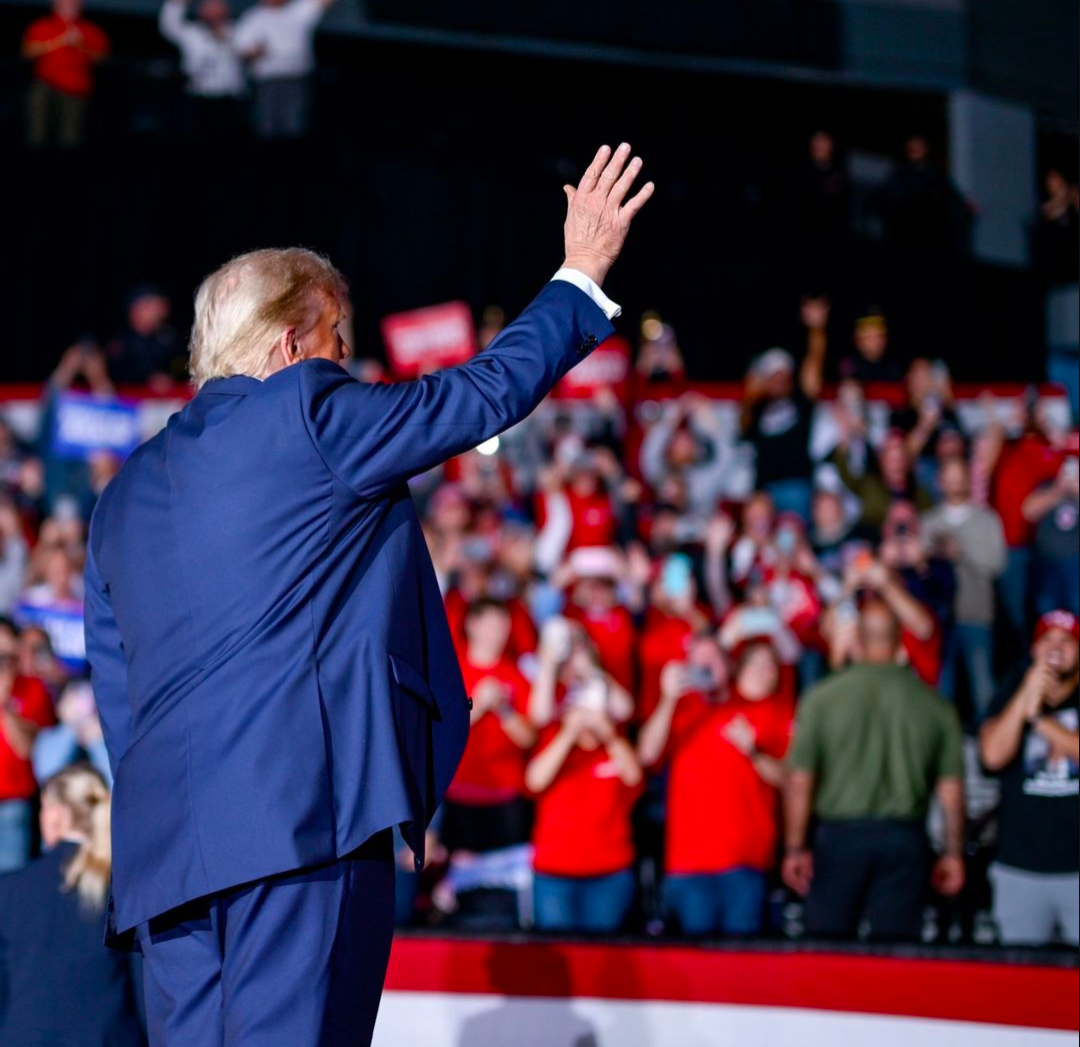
(473, 1020)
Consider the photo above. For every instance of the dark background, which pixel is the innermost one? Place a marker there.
(436, 171)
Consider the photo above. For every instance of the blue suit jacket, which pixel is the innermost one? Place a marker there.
(269, 649)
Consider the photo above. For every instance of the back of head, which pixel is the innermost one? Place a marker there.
(242, 309)
(879, 634)
(83, 792)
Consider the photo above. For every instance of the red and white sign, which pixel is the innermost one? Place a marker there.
(455, 993)
(606, 367)
(424, 340)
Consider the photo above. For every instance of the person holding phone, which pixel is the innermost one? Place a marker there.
(586, 779)
(723, 739)
(1031, 742)
(569, 674)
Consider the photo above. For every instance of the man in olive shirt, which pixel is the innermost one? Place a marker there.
(872, 745)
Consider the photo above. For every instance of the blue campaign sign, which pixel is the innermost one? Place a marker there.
(63, 622)
(86, 424)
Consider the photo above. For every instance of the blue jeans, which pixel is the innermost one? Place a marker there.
(792, 496)
(14, 834)
(973, 645)
(731, 902)
(585, 903)
(1014, 588)
(1057, 586)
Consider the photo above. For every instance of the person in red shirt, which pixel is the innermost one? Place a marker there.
(591, 576)
(475, 583)
(25, 707)
(485, 808)
(64, 48)
(1020, 466)
(673, 616)
(568, 673)
(724, 742)
(592, 511)
(586, 779)
(575, 507)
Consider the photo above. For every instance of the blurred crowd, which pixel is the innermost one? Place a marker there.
(252, 74)
(804, 664)
(254, 71)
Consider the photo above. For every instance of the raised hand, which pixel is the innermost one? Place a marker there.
(597, 220)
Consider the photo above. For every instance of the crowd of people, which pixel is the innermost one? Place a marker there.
(254, 70)
(799, 665)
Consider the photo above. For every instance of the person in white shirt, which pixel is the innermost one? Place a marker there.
(214, 71)
(276, 39)
(971, 536)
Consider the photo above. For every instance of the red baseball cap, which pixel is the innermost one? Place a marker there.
(1065, 620)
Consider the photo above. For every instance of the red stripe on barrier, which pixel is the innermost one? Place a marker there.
(956, 990)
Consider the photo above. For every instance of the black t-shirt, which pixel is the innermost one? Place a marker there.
(1040, 796)
(780, 433)
(1056, 535)
(907, 418)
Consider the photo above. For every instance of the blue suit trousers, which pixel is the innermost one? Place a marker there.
(296, 960)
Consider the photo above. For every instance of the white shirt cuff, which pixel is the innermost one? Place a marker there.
(591, 288)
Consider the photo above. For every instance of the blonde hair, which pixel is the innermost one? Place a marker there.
(83, 791)
(242, 308)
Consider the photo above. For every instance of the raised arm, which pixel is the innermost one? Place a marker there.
(171, 20)
(374, 437)
(815, 317)
(1045, 499)
(1001, 735)
(544, 767)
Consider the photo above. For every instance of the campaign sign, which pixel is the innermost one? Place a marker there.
(424, 340)
(606, 367)
(62, 621)
(86, 424)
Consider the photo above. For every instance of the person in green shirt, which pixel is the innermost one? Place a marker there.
(873, 744)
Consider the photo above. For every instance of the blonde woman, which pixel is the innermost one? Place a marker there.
(61, 988)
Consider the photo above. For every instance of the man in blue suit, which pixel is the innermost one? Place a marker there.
(269, 650)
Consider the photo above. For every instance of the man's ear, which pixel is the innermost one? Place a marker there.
(287, 349)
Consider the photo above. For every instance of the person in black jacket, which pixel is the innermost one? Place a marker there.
(59, 986)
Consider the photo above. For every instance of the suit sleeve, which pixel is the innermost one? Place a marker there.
(108, 662)
(374, 437)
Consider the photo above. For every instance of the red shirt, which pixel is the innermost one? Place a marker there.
(492, 769)
(68, 68)
(592, 517)
(594, 520)
(797, 601)
(30, 700)
(924, 656)
(582, 825)
(721, 814)
(663, 640)
(1024, 465)
(615, 637)
(522, 630)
